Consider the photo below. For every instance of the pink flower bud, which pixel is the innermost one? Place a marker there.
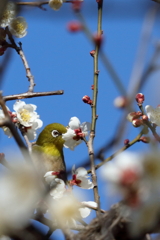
(139, 98)
(145, 118)
(76, 5)
(120, 102)
(98, 39)
(86, 99)
(126, 142)
(137, 122)
(128, 177)
(92, 53)
(145, 139)
(133, 115)
(2, 156)
(92, 87)
(74, 26)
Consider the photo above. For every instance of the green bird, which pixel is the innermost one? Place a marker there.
(48, 151)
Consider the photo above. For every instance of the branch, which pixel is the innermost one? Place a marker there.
(136, 139)
(31, 95)
(40, 4)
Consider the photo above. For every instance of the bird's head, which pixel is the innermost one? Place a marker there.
(52, 134)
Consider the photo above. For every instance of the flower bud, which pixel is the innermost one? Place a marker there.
(139, 98)
(76, 5)
(74, 26)
(92, 53)
(97, 38)
(92, 87)
(137, 122)
(126, 142)
(133, 115)
(120, 102)
(86, 99)
(145, 139)
(145, 118)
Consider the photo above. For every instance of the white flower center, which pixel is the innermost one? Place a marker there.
(25, 115)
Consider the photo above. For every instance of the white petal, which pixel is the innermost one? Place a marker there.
(59, 190)
(18, 104)
(49, 177)
(153, 114)
(73, 169)
(71, 144)
(74, 123)
(31, 134)
(84, 212)
(85, 126)
(81, 171)
(68, 135)
(91, 204)
(85, 183)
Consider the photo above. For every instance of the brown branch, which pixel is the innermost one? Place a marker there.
(27, 68)
(136, 139)
(31, 95)
(40, 4)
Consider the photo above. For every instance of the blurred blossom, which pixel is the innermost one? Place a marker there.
(85, 211)
(8, 14)
(18, 27)
(5, 129)
(75, 132)
(56, 184)
(80, 178)
(67, 210)
(55, 4)
(20, 191)
(137, 178)
(153, 114)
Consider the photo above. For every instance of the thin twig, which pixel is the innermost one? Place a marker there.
(31, 95)
(103, 56)
(136, 139)
(27, 68)
(94, 108)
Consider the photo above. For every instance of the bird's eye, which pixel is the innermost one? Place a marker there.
(55, 133)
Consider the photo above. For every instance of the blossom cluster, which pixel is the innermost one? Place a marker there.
(65, 207)
(136, 176)
(16, 25)
(25, 117)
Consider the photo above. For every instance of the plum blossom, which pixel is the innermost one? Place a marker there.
(55, 4)
(56, 184)
(67, 210)
(153, 114)
(80, 178)
(19, 190)
(8, 14)
(28, 118)
(75, 132)
(18, 27)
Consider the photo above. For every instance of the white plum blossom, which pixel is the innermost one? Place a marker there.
(55, 4)
(28, 118)
(20, 190)
(75, 132)
(56, 184)
(18, 27)
(8, 14)
(67, 210)
(80, 178)
(153, 114)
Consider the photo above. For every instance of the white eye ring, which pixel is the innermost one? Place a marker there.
(55, 133)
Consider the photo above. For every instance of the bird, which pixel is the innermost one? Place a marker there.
(48, 151)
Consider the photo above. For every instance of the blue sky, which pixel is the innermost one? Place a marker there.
(60, 60)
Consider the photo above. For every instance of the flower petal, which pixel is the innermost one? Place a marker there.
(74, 123)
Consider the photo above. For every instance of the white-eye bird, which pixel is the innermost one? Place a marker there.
(48, 151)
